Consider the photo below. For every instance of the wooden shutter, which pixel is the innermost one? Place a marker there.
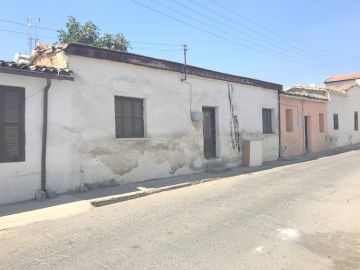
(336, 121)
(129, 117)
(356, 121)
(12, 133)
(267, 121)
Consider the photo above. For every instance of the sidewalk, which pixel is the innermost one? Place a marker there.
(13, 215)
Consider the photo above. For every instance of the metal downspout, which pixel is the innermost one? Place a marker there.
(44, 135)
(279, 121)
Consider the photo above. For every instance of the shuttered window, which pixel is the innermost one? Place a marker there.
(289, 120)
(356, 121)
(12, 126)
(336, 121)
(129, 117)
(321, 122)
(267, 121)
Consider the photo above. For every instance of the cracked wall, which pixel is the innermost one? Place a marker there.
(173, 144)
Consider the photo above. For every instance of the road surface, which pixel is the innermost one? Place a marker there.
(300, 216)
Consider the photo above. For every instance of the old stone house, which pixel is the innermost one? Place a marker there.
(118, 117)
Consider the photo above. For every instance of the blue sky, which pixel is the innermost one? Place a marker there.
(282, 41)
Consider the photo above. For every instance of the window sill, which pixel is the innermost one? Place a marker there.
(133, 139)
(270, 134)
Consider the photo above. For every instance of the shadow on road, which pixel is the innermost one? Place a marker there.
(11, 209)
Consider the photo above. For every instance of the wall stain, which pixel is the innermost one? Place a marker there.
(331, 140)
(123, 156)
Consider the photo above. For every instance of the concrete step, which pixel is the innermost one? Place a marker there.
(215, 166)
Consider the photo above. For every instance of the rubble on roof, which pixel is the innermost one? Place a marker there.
(52, 56)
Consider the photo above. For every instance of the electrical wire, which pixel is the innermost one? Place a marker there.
(23, 33)
(142, 48)
(224, 37)
(275, 43)
(265, 27)
(214, 34)
(24, 24)
(157, 49)
(158, 44)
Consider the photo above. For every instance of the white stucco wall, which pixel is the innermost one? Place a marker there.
(82, 148)
(20, 180)
(173, 143)
(344, 106)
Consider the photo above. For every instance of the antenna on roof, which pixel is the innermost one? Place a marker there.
(32, 41)
(29, 34)
(37, 40)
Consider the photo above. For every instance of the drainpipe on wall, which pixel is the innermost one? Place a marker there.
(279, 123)
(42, 194)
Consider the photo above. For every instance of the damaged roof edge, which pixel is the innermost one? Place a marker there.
(37, 74)
(297, 95)
(130, 58)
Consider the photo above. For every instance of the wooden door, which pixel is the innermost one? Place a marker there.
(306, 133)
(209, 131)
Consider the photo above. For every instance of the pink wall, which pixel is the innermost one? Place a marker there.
(293, 142)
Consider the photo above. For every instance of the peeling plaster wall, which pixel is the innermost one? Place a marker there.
(173, 143)
(292, 142)
(20, 180)
(345, 106)
(82, 151)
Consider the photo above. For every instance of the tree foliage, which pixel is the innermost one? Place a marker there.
(89, 34)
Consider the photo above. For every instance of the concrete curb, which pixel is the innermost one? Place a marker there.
(148, 191)
(143, 193)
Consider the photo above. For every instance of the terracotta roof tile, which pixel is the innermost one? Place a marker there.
(305, 95)
(49, 70)
(343, 77)
(336, 89)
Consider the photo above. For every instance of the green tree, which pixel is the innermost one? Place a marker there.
(89, 34)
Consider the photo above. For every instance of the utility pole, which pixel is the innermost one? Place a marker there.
(185, 64)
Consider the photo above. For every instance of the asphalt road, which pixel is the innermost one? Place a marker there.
(300, 216)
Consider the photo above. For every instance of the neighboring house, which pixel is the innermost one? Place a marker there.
(128, 117)
(303, 124)
(21, 126)
(343, 80)
(343, 108)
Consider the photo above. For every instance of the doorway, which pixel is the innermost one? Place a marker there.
(209, 132)
(307, 122)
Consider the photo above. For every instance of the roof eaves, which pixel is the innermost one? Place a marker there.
(35, 71)
(136, 59)
(296, 95)
(37, 74)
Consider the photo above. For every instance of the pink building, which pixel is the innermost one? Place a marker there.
(303, 120)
